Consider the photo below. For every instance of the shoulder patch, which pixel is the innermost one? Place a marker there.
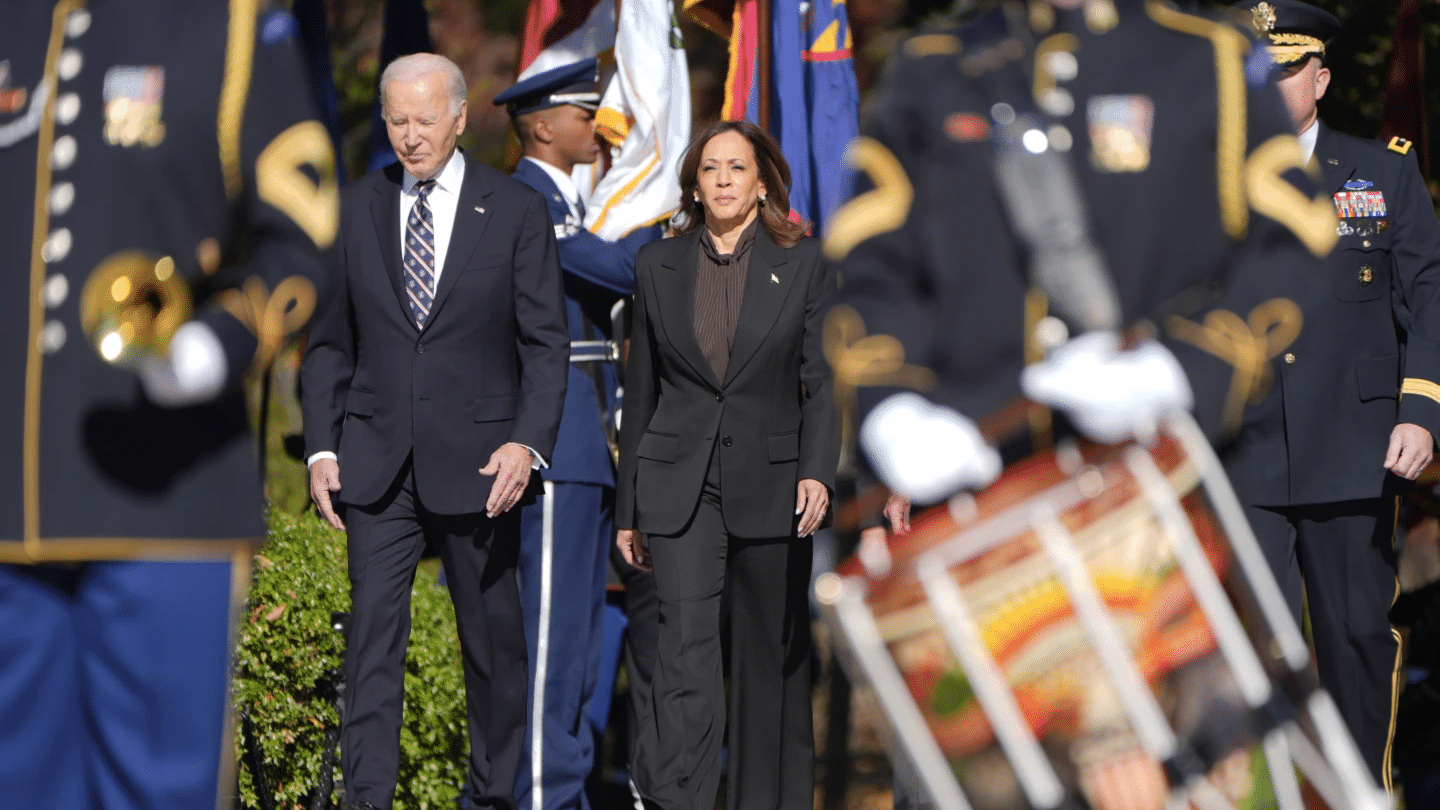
(1399, 145)
(276, 25)
(924, 45)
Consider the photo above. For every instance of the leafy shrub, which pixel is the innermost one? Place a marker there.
(288, 652)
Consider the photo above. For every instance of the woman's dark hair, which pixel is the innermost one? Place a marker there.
(774, 211)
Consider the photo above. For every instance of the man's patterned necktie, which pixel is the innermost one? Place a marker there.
(420, 255)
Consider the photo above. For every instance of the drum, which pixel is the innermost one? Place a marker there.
(1096, 628)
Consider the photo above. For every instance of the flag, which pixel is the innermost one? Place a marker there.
(407, 31)
(559, 32)
(801, 88)
(738, 21)
(645, 112)
(314, 30)
(833, 103)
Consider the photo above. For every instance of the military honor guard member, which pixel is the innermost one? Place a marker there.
(566, 534)
(1176, 153)
(1135, 94)
(434, 383)
(169, 203)
(1356, 418)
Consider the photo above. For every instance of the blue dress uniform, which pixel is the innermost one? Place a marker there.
(1167, 124)
(176, 137)
(1163, 125)
(1311, 468)
(566, 534)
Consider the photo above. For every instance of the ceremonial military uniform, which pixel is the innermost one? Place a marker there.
(1177, 145)
(1180, 153)
(566, 535)
(1311, 469)
(175, 141)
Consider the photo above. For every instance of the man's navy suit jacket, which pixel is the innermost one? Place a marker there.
(489, 366)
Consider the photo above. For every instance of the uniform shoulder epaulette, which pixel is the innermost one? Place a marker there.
(1399, 145)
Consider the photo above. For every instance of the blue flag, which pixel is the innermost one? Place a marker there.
(407, 31)
(833, 103)
(813, 101)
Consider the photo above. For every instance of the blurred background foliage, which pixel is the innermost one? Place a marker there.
(286, 666)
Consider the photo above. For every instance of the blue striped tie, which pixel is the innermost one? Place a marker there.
(420, 255)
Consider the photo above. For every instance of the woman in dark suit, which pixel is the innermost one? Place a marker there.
(728, 449)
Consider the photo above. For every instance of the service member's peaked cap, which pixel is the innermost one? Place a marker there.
(1293, 30)
(568, 84)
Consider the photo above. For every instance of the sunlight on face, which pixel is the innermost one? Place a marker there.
(419, 122)
(728, 180)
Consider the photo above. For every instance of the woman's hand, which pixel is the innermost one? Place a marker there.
(898, 513)
(632, 546)
(812, 499)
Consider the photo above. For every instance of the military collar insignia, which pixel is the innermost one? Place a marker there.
(1263, 18)
(1358, 184)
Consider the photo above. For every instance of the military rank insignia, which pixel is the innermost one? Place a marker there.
(132, 105)
(1120, 129)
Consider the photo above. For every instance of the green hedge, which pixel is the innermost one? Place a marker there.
(288, 649)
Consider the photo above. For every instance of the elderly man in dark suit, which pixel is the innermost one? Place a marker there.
(1357, 415)
(436, 377)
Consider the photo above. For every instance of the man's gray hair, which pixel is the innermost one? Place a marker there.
(415, 66)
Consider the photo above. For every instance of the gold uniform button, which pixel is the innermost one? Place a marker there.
(1290, 358)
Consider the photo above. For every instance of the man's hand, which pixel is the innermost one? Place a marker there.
(812, 500)
(510, 464)
(1410, 450)
(325, 479)
(898, 513)
(632, 547)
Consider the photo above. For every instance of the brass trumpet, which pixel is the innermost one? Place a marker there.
(131, 306)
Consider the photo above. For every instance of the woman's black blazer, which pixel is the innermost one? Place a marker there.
(771, 422)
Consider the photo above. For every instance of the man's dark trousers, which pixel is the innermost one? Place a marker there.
(1358, 654)
(479, 554)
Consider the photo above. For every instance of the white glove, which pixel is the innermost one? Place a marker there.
(193, 372)
(926, 452)
(1111, 395)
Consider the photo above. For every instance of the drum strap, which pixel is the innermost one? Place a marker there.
(1036, 179)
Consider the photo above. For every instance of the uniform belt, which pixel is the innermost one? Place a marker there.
(594, 351)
